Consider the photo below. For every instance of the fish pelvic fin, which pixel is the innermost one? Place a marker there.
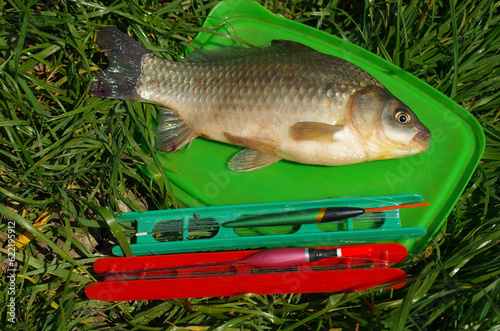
(259, 153)
(172, 132)
(249, 160)
(119, 80)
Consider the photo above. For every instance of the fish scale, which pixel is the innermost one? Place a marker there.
(213, 91)
(285, 101)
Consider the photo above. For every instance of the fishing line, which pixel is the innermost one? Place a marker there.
(210, 269)
(175, 229)
(216, 272)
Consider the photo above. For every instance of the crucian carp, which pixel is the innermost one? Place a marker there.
(284, 101)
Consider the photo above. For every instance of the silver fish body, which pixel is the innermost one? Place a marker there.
(285, 101)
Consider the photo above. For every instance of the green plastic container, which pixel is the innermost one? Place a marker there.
(439, 175)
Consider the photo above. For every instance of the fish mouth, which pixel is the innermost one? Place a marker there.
(422, 138)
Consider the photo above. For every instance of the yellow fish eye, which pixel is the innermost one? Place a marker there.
(403, 117)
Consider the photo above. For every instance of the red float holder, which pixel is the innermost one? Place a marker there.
(212, 274)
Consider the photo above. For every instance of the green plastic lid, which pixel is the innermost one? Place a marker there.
(439, 174)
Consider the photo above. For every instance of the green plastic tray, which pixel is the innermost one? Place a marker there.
(439, 175)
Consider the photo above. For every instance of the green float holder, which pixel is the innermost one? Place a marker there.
(199, 229)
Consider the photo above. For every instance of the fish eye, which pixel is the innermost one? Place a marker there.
(402, 117)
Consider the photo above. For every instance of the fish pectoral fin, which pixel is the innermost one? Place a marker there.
(249, 159)
(314, 131)
(172, 132)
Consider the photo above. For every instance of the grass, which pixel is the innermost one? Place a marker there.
(61, 148)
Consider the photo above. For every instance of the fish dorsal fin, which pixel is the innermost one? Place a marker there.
(238, 52)
(314, 131)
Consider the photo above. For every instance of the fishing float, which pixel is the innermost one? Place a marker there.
(310, 216)
(272, 258)
(297, 217)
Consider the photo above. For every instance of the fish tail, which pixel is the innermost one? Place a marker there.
(119, 80)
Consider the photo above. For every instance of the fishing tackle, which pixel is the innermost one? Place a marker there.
(205, 228)
(277, 271)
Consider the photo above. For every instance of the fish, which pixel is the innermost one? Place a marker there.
(283, 101)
